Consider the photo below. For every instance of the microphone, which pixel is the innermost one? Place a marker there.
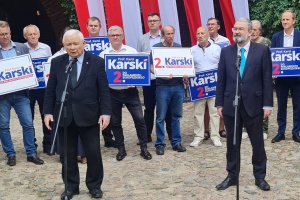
(238, 62)
(69, 66)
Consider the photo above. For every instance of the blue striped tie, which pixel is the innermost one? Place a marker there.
(243, 61)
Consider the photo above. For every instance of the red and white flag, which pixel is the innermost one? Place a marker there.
(131, 15)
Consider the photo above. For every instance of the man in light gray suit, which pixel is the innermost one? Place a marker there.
(145, 44)
(19, 101)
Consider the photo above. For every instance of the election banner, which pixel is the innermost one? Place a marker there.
(17, 73)
(46, 66)
(96, 45)
(223, 44)
(203, 85)
(285, 61)
(176, 61)
(128, 69)
(39, 71)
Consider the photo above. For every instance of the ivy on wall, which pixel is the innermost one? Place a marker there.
(71, 12)
(268, 12)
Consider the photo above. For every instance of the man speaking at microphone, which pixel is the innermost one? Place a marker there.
(255, 102)
(88, 105)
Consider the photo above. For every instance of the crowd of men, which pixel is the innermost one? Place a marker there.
(92, 103)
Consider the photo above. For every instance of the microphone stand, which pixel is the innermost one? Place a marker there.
(64, 109)
(235, 135)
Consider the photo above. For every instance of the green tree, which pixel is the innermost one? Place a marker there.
(268, 12)
(71, 12)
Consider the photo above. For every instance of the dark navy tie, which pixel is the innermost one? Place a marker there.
(74, 73)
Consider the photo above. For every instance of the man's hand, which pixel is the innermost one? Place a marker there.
(168, 78)
(185, 80)
(267, 113)
(104, 121)
(220, 111)
(47, 119)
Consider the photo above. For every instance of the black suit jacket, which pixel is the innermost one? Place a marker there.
(88, 100)
(256, 88)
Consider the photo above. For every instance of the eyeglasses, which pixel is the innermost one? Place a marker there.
(211, 24)
(235, 29)
(4, 34)
(115, 35)
(153, 21)
(93, 26)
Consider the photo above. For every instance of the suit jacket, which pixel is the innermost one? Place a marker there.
(256, 88)
(277, 39)
(89, 99)
(21, 49)
(143, 44)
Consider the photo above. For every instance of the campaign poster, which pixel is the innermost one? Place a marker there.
(46, 66)
(176, 61)
(285, 62)
(127, 69)
(223, 44)
(203, 85)
(96, 45)
(17, 73)
(39, 71)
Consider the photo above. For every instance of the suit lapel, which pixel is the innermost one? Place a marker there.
(62, 69)
(296, 40)
(281, 39)
(234, 53)
(85, 67)
(147, 41)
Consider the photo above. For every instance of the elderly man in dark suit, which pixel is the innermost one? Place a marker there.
(289, 37)
(19, 101)
(87, 105)
(255, 103)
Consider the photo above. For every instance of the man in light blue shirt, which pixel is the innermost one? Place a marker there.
(19, 101)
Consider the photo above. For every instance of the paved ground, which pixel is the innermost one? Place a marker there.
(190, 175)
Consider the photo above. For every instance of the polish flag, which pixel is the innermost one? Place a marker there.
(132, 15)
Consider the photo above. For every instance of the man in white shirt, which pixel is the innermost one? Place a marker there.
(289, 37)
(38, 50)
(213, 25)
(206, 57)
(125, 95)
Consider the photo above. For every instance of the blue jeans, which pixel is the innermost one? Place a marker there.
(149, 93)
(169, 97)
(21, 105)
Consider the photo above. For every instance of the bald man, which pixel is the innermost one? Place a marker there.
(206, 57)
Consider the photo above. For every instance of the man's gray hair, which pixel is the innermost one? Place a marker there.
(247, 21)
(72, 32)
(164, 29)
(3, 24)
(114, 28)
(256, 22)
(25, 29)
